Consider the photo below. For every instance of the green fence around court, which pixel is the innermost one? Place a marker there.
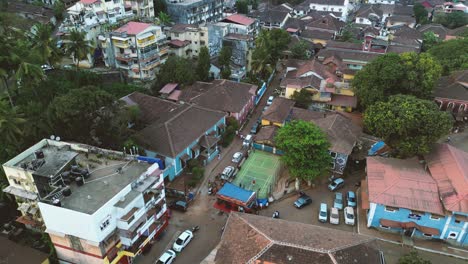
(259, 173)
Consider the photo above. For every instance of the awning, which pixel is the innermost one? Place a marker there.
(185, 157)
(195, 148)
(222, 207)
(409, 225)
(168, 88)
(175, 95)
(20, 193)
(208, 141)
(365, 204)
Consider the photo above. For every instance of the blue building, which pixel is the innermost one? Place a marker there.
(420, 199)
(177, 133)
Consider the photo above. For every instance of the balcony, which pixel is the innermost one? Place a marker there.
(121, 43)
(124, 57)
(149, 55)
(163, 51)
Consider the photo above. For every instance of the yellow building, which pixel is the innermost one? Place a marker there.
(278, 113)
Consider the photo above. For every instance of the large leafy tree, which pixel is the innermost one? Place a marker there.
(412, 258)
(11, 123)
(451, 54)
(451, 20)
(175, 70)
(303, 98)
(78, 46)
(268, 47)
(203, 64)
(59, 8)
(242, 6)
(420, 13)
(407, 124)
(390, 74)
(300, 50)
(305, 149)
(224, 60)
(429, 40)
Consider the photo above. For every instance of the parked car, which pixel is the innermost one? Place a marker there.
(46, 67)
(178, 205)
(336, 184)
(167, 258)
(255, 128)
(351, 198)
(182, 241)
(349, 215)
(247, 141)
(302, 201)
(237, 157)
(334, 216)
(228, 172)
(270, 100)
(323, 213)
(338, 204)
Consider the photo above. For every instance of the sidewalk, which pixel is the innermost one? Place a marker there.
(425, 245)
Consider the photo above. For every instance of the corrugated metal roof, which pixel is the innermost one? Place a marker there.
(403, 184)
(449, 168)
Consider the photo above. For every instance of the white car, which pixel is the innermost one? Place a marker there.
(167, 258)
(334, 216)
(237, 157)
(323, 213)
(182, 241)
(349, 215)
(270, 100)
(228, 172)
(247, 141)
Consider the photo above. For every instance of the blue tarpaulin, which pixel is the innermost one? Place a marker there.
(376, 147)
(232, 191)
(152, 160)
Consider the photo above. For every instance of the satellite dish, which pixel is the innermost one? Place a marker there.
(57, 138)
(52, 137)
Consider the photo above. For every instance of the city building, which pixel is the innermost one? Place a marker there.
(425, 199)
(339, 8)
(451, 94)
(195, 11)
(186, 40)
(266, 240)
(97, 205)
(141, 8)
(137, 48)
(176, 132)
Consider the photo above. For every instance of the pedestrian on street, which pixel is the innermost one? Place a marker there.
(219, 156)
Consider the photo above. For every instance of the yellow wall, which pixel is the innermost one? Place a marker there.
(348, 76)
(320, 41)
(268, 123)
(347, 92)
(290, 91)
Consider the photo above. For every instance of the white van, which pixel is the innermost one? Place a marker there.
(247, 141)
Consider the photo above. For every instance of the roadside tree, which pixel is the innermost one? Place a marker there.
(413, 258)
(305, 149)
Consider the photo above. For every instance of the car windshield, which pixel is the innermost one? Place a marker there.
(334, 215)
(323, 213)
(179, 241)
(351, 199)
(350, 216)
(338, 200)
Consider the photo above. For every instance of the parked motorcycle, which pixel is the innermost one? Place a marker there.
(276, 214)
(195, 229)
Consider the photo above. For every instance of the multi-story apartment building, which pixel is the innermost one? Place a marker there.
(141, 8)
(195, 11)
(138, 48)
(186, 40)
(98, 206)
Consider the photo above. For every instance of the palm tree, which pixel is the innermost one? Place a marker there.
(42, 41)
(78, 46)
(164, 18)
(9, 61)
(11, 122)
(29, 75)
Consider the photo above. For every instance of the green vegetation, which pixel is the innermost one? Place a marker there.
(407, 124)
(242, 7)
(420, 13)
(451, 20)
(451, 54)
(203, 65)
(303, 98)
(59, 8)
(268, 47)
(413, 258)
(429, 40)
(305, 149)
(175, 70)
(77, 46)
(224, 60)
(300, 50)
(390, 74)
(228, 136)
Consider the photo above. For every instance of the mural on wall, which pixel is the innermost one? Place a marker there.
(215, 39)
(239, 51)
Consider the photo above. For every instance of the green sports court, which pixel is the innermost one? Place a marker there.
(259, 173)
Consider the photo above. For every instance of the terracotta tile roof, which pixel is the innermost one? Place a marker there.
(440, 31)
(151, 108)
(317, 34)
(88, 2)
(133, 28)
(343, 100)
(239, 19)
(222, 95)
(279, 110)
(261, 239)
(367, 9)
(266, 134)
(306, 67)
(453, 87)
(179, 43)
(449, 168)
(403, 184)
(168, 88)
(326, 22)
(341, 132)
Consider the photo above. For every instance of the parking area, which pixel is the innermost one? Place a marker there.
(309, 213)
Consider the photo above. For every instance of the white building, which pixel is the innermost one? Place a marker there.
(137, 48)
(341, 7)
(383, 2)
(98, 206)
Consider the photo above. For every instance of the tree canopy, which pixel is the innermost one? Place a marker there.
(242, 7)
(407, 124)
(303, 98)
(300, 50)
(268, 47)
(305, 149)
(451, 54)
(420, 13)
(451, 20)
(429, 40)
(175, 70)
(390, 74)
(203, 64)
(412, 258)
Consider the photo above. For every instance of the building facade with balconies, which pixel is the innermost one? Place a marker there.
(186, 40)
(137, 48)
(141, 8)
(97, 205)
(195, 11)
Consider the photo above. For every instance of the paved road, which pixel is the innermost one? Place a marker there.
(201, 212)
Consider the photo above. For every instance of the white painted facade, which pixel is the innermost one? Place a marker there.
(383, 2)
(344, 9)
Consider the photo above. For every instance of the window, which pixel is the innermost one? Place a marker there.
(324, 9)
(176, 35)
(453, 235)
(121, 50)
(386, 227)
(391, 209)
(332, 9)
(333, 154)
(313, 7)
(202, 34)
(339, 9)
(196, 42)
(427, 235)
(457, 221)
(17, 182)
(360, 19)
(202, 42)
(105, 223)
(434, 217)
